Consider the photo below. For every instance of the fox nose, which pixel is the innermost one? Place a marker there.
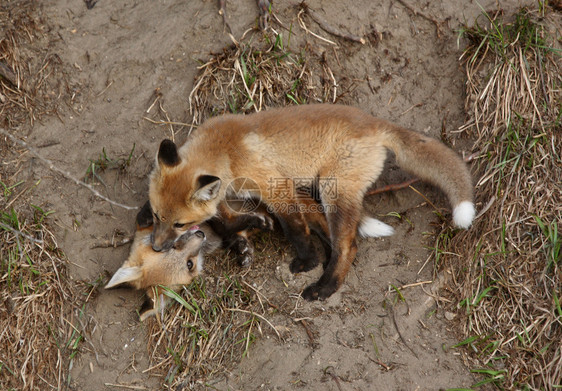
(163, 247)
(156, 248)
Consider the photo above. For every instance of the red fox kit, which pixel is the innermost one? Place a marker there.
(336, 152)
(147, 269)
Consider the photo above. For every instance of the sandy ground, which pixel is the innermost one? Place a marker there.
(122, 51)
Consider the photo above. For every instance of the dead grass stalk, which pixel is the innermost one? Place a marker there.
(37, 299)
(262, 72)
(509, 285)
(37, 342)
(32, 80)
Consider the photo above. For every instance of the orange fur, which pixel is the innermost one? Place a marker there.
(320, 142)
(147, 269)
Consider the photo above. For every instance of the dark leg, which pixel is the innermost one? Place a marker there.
(316, 220)
(297, 231)
(242, 245)
(343, 228)
(235, 228)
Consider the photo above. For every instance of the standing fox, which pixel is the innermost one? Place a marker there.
(334, 152)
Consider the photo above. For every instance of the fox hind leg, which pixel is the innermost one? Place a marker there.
(343, 228)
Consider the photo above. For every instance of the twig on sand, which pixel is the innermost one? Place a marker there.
(222, 12)
(412, 10)
(126, 386)
(308, 332)
(326, 27)
(393, 316)
(113, 243)
(393, 187)
(424, 197)
(379, 362)
(64, 173)
(330, 371)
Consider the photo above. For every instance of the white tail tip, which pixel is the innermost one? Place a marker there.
(373, 228)
(463, 214)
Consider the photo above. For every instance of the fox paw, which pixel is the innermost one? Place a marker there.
(245, 251)
(261, 221)
(318, 292)
(245, 260)
(299, 265)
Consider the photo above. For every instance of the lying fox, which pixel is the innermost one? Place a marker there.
(339, 151)
(149, 270)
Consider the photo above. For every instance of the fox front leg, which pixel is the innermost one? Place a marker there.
(235, 229)
(297, 231)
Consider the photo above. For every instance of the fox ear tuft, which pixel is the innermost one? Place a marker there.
(168, 153)
(209, 187)
(123, 275)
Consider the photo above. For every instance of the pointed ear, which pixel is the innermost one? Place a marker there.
(209, 187)
(168, 154)
(123, 275)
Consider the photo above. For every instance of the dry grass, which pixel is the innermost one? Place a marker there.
(215, 320)
(32, 81)
(262, 72)
(37, 342)
(37, 299)
(211, 327)
(509, 284)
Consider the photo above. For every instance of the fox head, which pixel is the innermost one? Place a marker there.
(148, 269)
(145, 267)
(180, 195)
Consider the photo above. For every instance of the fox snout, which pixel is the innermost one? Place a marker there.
(161, 247)
(163, 238)
(195, 238)
(177, 244)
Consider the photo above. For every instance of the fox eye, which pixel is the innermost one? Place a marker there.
(179, 225)
(189, 264)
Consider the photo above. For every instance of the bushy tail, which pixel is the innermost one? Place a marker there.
(432, 161)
